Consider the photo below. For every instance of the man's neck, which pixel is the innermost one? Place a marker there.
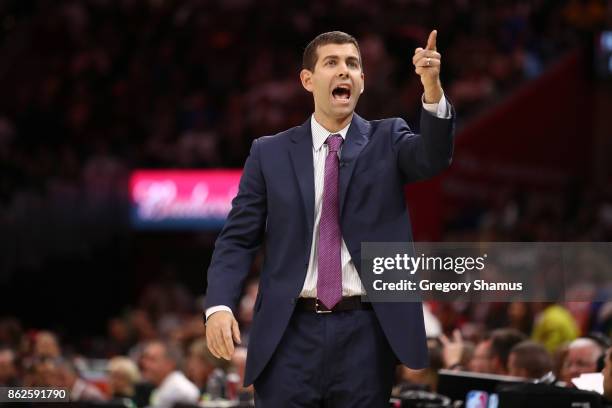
(332, 125)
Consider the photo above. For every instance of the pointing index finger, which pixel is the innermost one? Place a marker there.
(431, 41)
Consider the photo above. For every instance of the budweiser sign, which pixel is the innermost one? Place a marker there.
(174, 198)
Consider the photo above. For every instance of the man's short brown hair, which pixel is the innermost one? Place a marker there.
(502, 341)
(533, 358)
(309, 58)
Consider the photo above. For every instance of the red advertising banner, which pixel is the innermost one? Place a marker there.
(182, 199)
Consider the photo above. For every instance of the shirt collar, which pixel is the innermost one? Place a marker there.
(320, 134)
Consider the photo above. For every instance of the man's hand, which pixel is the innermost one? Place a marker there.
(452, 351)
(221, 332)
(427, 64)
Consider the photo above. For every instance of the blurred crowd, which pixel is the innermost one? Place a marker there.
(155, 354)
(94, 88)
(580, 212)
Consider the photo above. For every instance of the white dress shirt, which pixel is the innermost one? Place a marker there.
(351, 283)
(175, 388)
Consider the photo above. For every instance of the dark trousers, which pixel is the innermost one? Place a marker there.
(333, 360)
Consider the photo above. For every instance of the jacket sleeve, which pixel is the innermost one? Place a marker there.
(240, 238)
(424, 155)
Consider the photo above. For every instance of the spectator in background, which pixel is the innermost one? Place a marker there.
(67, 376)
(520, 316)
(161, 364)
(143, 327)
(581, 358)
(8, 370)
(554, 326)
(123, 375)
(559, 356)
(46, 345)
(201, 363)
(491, 355)
(481, 360)
(41, 373)
(120, 337)
(456, 353)
(529, 359)
(502, 341)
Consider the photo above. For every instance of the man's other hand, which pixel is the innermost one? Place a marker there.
(221, 332)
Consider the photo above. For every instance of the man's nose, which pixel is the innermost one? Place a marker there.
(342, 70)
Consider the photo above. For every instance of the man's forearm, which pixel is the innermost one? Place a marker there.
(433, 94)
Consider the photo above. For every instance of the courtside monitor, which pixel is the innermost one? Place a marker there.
(458, 384)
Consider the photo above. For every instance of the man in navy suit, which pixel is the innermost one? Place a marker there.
(313, 194)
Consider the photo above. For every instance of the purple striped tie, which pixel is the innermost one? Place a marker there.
(329, 280)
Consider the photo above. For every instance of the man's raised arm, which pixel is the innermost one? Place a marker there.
(424, 155)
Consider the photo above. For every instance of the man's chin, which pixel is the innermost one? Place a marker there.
(340, 112)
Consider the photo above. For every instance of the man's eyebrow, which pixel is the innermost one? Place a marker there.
(350, 58)
(330, 57)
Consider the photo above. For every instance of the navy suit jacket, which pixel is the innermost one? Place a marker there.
(275, 206)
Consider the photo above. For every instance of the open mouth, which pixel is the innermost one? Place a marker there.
(341, 93)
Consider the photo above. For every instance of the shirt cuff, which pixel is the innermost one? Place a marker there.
(439, 109)
(215, 309)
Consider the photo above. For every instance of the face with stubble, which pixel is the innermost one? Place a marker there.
(336, 82)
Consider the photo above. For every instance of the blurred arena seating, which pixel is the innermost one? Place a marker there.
(94, 89)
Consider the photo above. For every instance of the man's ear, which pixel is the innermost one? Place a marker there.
(306, 78)
(362, 80)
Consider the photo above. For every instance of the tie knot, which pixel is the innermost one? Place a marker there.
(334, 142)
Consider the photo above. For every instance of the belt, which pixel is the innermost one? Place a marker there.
(346, 304)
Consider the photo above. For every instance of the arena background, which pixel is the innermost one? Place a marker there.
(94, 90)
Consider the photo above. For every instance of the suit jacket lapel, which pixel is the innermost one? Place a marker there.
(356, 140)
(301, 157)
(303, 166)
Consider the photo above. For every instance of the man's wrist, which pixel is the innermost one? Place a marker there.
(433, 95)
(213, 309)
(440, 109)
